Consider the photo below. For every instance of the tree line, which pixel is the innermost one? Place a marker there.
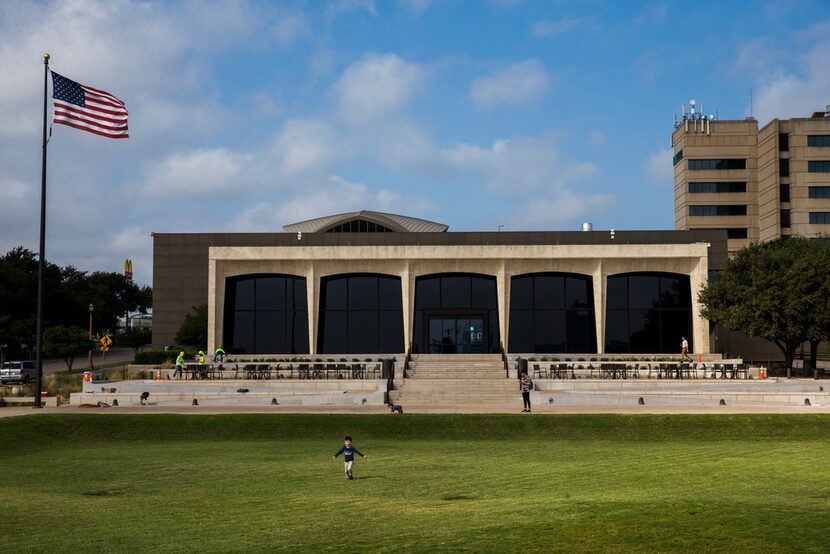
(68, 294)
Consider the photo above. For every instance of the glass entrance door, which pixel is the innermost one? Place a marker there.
(456, 335)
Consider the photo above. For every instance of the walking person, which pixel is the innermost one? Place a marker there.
(179, 365)
(525, 385)
(348, 452)
(684, 350)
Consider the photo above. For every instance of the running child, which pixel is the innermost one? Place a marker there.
(348, 452)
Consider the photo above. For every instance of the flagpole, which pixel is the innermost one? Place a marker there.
(41, 268)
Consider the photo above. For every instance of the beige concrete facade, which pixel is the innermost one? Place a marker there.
(503, 261)
(767, 152)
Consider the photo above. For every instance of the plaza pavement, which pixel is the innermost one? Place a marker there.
(506, 408)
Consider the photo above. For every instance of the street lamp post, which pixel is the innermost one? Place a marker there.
(90, 336)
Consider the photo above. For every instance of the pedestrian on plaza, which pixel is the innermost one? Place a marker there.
(200, 365)
(219, 355)
(684, 350)
(179, 365)
(525, 385)
(394, 408)
(348, 452)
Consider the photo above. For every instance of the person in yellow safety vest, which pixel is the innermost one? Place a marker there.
(219, 355)
(201, 365)
(179, 365)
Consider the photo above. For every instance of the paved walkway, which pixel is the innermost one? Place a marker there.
(458, 409)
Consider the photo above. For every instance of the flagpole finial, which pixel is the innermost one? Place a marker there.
(46, 57)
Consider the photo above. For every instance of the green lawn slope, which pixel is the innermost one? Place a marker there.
(478, 483)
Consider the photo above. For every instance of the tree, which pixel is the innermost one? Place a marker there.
(134, 338)
(69, 292)
(193, 331)
(66, 342)
(775, 290)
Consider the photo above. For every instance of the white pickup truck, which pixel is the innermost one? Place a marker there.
(18, 372)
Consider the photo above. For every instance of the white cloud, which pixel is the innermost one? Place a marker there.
(517, 166)
(376, 86)
(196, 173)
(552, 27)
(519, 84)
(329, 196)
(798, 91)
(659, 166)
(558, 207)
(306, 146)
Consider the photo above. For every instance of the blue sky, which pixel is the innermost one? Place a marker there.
(246, 116)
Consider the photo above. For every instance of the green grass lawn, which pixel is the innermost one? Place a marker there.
(519, 483)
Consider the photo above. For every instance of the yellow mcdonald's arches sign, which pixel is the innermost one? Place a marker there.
(128, 269)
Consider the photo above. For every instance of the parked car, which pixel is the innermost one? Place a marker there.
(20, 372)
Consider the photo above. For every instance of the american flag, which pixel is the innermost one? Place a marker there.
(88, 109)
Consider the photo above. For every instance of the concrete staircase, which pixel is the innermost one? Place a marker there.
(447, 379)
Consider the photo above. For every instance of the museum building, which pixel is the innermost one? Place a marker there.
(376, 283)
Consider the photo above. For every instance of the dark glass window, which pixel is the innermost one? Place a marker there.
(716, 187)
(717, 210)
(818, 166)
(784, 192)
(820, 218)
(359, 226)
(266, 314)
(677, 157)
(785, 219)
(818, 140)
(560, 318)
(445, 300)
(736, 233)
(360, 314)
(819, 192)
(716, 164)
(647, 313)
(783, 142)
(784, 167)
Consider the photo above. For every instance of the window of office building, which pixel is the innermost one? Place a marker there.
(266, 314)
(360, 314)
(721, 187)
(717, 164)
(819, 192)
(818, 140)
(552, 313)
(784, 192)
(784, 167)
(783, 142)
(705, 211)
(456, 313)
(677, 157)
(820, 218)
(359, 226)
(785, 219)
(647, 313)
(731, 233)
(818, 166)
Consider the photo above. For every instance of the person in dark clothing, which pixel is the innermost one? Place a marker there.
(394, 408)
(525, 385)
(348, 452)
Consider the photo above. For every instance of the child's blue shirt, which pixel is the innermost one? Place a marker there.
(349, 452)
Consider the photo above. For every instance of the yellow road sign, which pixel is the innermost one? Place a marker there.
(105, 340)
(103, 348)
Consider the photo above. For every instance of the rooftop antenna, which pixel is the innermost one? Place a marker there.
(751, 114)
